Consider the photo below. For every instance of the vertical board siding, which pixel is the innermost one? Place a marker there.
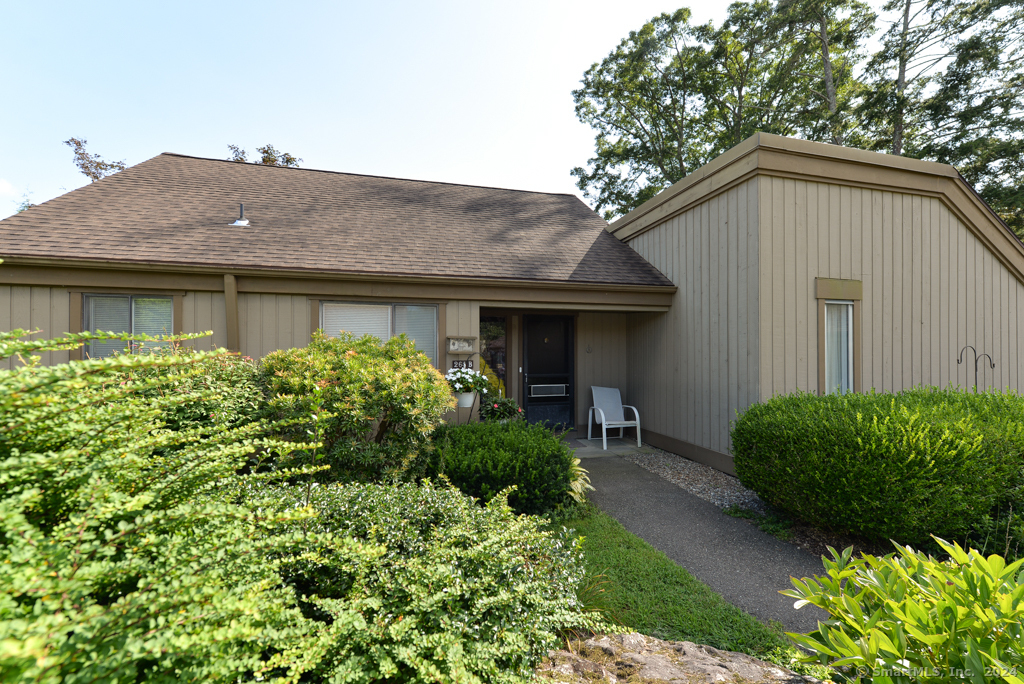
(930, 287)
(204, 312)
(46, 309)
(462, 319)
(691, 369)
(602, 359)
(268, 322)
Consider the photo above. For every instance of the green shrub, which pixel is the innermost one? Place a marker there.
(884, 466)
(374, 404)
(229, 384)
(124, 553)
(500, 408)
(483, 459)
(461, 593)
(910, 618)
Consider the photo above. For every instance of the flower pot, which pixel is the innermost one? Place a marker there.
(466, 399)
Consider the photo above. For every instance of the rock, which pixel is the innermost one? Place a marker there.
(638, 658)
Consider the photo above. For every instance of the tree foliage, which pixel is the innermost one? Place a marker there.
(945, 83)
(948, 85)
(92, 165)
(269, 156)
(673, 96)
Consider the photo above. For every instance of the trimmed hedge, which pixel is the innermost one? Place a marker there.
(884, 466)
(483, 459)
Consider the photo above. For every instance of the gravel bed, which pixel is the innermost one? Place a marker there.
(700, 480)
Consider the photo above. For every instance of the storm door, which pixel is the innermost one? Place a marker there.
(548, 364)
(494, 352)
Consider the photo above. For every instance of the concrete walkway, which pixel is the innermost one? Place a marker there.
(746, 566)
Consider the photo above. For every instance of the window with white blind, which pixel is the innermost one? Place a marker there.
(418, 322)
(133, 314)
(838, 347)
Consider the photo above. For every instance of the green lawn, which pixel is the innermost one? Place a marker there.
(649, 593)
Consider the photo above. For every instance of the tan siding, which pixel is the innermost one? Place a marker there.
(462, 319)
(204, 312)
(36, 308)
(930, 287)
(602, 348)
(691, 369)
(268, 322)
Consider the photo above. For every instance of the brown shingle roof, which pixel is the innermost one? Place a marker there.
(174, 209)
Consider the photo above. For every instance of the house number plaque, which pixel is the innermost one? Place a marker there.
(468, 364)
(461, 345)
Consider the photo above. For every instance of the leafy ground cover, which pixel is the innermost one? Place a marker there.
(643, 590)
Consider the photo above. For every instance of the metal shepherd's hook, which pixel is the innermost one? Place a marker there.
(977, 357)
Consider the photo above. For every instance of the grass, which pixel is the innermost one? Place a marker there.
(645, 591)
(773, 524)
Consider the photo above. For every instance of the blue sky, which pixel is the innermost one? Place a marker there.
(465, 92)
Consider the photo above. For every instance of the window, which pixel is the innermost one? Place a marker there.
(133, 314)
(417, 322)
(838, 347)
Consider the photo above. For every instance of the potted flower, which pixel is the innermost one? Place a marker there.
(465, 383)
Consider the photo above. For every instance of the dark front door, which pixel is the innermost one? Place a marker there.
(548, 381)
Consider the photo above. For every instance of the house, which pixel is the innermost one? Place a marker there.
(782, 265)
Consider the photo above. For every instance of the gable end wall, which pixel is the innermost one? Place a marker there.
(693, 368)
(930, 286)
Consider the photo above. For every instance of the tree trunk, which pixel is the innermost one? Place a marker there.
(830, 86)
(901, 84)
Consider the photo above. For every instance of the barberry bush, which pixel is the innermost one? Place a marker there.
(375, 404)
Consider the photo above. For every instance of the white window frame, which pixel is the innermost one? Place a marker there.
(391, 319)
(850, 318)
(87, 325)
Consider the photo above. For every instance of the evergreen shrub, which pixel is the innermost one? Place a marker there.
(482, 459)
(499, 409)
(372, 405)
(127, 552)
(460, 593)
(224, 389)
(882, 466)
(134, 552)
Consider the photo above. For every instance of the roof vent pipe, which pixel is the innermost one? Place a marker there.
(242, 221)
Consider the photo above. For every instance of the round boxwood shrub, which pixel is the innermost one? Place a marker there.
(884, 466)
(482, 459)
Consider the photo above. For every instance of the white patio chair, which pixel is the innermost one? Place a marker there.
(608, 405)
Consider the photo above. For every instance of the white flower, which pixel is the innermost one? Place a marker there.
(458, 386)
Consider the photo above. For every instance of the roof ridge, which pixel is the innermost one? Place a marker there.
(367, 175)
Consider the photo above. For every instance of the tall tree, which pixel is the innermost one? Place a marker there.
(673, 96)
(644, 102)
(269, 156)
(834, 32)
(92, 165)
(752, 76)
(948, 85)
